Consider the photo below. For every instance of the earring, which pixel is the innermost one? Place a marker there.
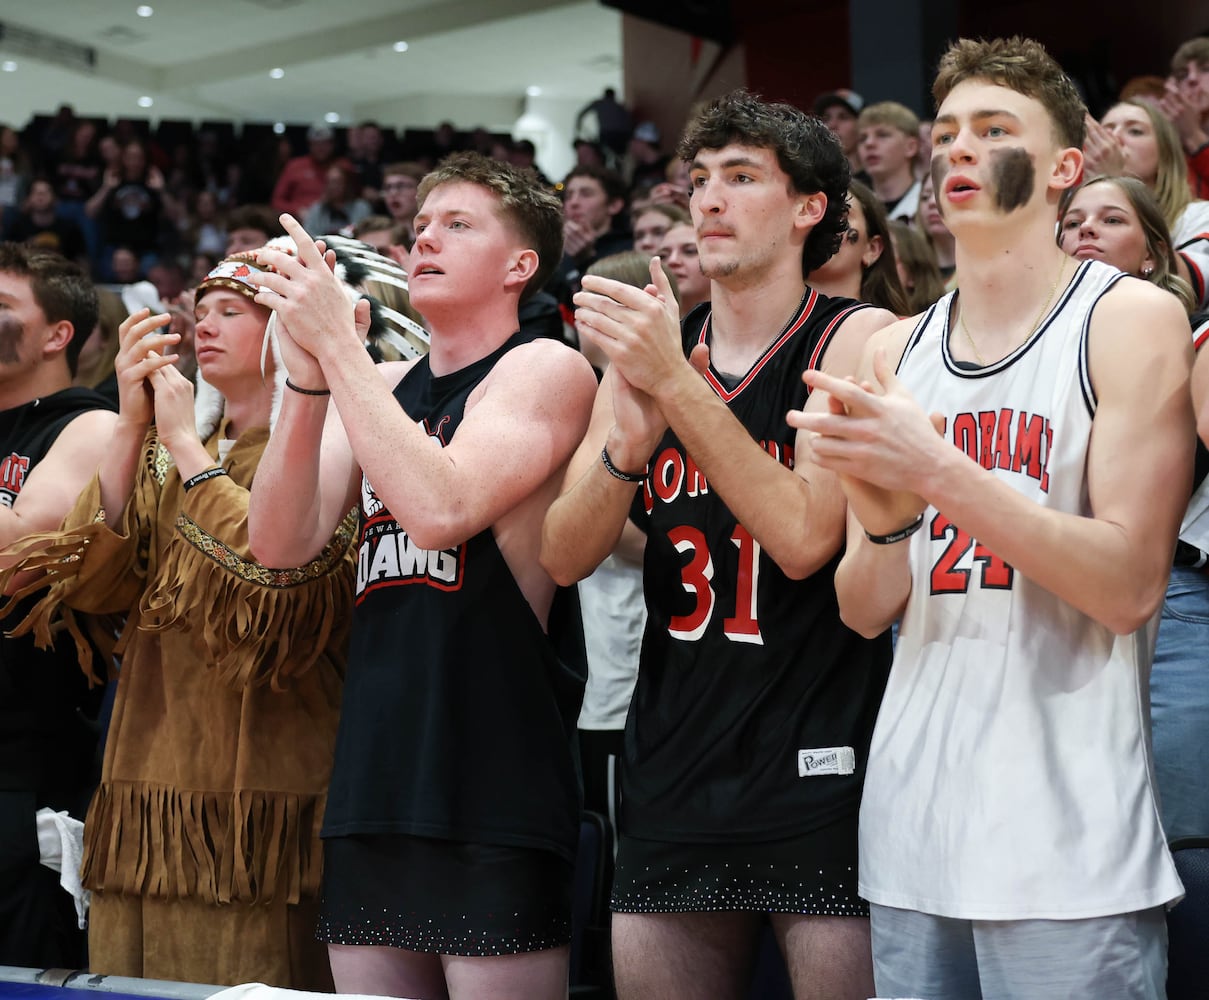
(1147, 271)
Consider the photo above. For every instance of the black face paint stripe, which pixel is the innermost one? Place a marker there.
(1015, 178)
(11, 332)
(939, 170)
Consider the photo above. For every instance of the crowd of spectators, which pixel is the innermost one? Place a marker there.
(122, 197)
(150, 212)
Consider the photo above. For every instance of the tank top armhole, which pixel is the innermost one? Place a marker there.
(917, 334)
(820, 349)
(1085, 380)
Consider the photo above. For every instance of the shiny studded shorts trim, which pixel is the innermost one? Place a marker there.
(443, 897)
(813, 873)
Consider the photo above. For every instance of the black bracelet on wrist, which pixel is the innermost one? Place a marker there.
(307, 392)
(201, 477)
(896, 536)
(616, 473)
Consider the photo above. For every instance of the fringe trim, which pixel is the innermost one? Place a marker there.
(57, 559)
(263, 626)
(217, 847)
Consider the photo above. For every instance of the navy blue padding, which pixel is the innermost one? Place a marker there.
(589, 972)
(1188, 923)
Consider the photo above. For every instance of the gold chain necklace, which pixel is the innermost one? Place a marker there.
(961, 316)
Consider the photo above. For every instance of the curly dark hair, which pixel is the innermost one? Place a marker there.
(532, 208)
(60, 288)
(805, 148)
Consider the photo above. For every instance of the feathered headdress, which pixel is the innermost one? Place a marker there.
(395, 332)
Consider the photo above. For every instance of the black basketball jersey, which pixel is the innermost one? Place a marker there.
(46, 744)
(458, 715)
(748, 680)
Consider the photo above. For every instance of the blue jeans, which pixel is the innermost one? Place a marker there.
(1179, 705)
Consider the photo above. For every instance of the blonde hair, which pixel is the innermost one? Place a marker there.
(891, 113)
(632, 268)
(1171, 188)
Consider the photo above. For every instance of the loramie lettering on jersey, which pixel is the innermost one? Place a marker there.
(673, 470)
(388, 558)
(1007, 439)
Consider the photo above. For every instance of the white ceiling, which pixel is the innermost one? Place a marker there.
(467, 60)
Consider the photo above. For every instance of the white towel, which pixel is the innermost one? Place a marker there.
(61, 849)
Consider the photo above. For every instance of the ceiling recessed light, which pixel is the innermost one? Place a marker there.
(8, 66)
(332, 117)
(144, 10)
(145, 101)
(276, 72)
(533, 90)
(400, 46)
(279, 128)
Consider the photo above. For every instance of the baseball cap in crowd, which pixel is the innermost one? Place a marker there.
(849, 99)
(318, 133)
(647, 132)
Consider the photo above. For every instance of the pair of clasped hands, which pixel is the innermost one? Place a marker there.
(871, 432)
(302, 289)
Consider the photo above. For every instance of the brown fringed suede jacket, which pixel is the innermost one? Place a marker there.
(220, 747)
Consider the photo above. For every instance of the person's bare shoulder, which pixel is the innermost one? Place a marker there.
(866, 322)
(72, 460)
(557, 369)
(1129, 302)
(891, 340)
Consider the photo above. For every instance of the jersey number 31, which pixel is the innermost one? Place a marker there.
(697, 575)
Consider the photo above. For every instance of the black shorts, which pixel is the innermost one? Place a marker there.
(443, 896)
(811, 873)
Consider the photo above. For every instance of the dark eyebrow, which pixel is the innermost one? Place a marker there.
(728, 163)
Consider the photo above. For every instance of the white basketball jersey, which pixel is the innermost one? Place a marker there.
(1009, 776)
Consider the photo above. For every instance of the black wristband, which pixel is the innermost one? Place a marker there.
(201, 477)
(616, 473)
(307, 392)
(896, 536)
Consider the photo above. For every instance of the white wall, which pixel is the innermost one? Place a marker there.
(549, 123)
